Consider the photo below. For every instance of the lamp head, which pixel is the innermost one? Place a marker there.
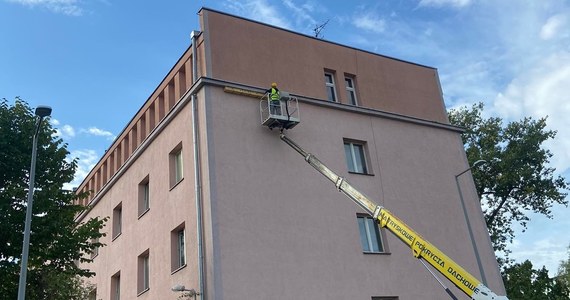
(43, 111)
(178, 288)
(479, 163)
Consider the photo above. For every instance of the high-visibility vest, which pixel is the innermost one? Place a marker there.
(274, 94)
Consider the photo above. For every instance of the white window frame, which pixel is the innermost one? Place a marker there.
(351, 90)
(176, 165)
(116, 286)
(179, 164)
(144, 196)
(360, 169)
(178, 248)
(331, 85)
(143, 272)
(181, 247)
(146, 272)
(117, 220)
(93, 294)
(369, 222)
(96, 249)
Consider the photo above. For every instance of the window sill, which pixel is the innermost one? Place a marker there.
(176, 184)
(143, 213)
(116, 236)
(179, 268)
(144, 291)
(358, 173)
(376, 253)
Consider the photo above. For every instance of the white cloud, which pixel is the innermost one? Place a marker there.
(518, 63)
(544, 242)
(301, 12)
(68, 130)
(65, 131)
(369, 22)
(86, 160)
(66, 7)
(259, 10)
(54, 122)
(467, 82)
(546, 252)
(539, 92)
(439, 3)
(99, 132)
(553, 26)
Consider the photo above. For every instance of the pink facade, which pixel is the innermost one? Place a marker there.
(273, 228)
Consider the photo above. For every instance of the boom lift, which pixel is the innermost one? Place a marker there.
(421, 248)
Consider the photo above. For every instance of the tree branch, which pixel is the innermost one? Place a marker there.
(496, 211)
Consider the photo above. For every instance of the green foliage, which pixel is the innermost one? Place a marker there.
(56, 241)
(517, 180)
(524, 282)
(55, 285)
(563, 276)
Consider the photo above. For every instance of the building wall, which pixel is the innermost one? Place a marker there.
(254, 54)
(169, 208)
(273, 227)
(286, 227)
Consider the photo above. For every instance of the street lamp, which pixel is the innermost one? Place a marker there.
(41, 113)
(477, 257)
(181, 288)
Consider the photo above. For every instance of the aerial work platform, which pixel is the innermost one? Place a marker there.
(283, 114)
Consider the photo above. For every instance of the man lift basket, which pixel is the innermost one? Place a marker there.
(284, 116)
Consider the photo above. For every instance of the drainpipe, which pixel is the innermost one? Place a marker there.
(197, 179)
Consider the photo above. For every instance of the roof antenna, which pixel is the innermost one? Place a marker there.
(318, 28)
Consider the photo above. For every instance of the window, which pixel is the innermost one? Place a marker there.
(350, 90)
(178, 247)
(116, 286)
(176, 165)
(143, 272)
(355, 157)
(117, 220)
(181, 248)
(178, 159)
(95, 250)
(144, 196)
(329, 85)
(93, 294)
(370, 237)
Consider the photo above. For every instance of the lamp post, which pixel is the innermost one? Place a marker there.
(477, 257)
(181, 288)
(41, 113)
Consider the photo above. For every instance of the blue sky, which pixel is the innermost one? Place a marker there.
(83, 57)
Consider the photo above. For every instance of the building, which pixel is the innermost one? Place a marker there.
(271, 227)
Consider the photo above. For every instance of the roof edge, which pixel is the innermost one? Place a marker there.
(203, 8)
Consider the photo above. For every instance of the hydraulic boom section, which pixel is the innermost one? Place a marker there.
(421, 248)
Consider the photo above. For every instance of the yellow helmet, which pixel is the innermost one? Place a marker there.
(274, 85)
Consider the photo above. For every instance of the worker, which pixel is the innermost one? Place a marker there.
(274, 99)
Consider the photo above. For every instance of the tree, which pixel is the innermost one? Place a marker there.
(524, 282)
(517, 178)
(563, 276)
(56, 240)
